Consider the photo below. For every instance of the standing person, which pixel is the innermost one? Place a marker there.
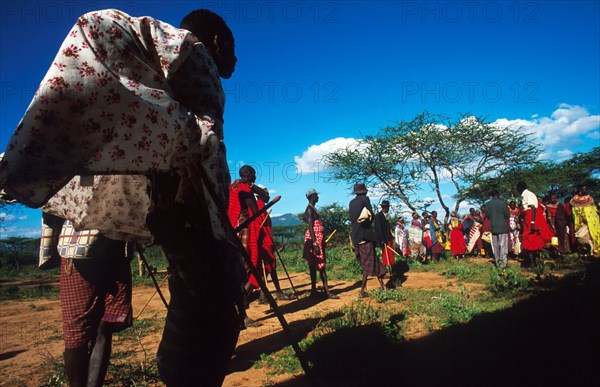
(266, 244)
(536, 232)
(585, 212)
(415, 236)
(363, 237)
(514, 226)
(128, 103)
(435, 230)
(242, 205)
(95, 296)
(497, 212)
(384, 235)
(314, 248)
(570, 233)
(401, 238)
(458, 246)
(426, 246)
(557, 219)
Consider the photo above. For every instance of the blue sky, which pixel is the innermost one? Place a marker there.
(315, 75)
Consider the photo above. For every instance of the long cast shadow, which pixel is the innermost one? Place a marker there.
(548, 340)
(246, 354)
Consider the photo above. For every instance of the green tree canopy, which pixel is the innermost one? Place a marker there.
(433, 150)
(547, 177)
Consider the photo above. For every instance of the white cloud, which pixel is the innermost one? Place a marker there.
(6, 217)
(311, 159)
(567, 126)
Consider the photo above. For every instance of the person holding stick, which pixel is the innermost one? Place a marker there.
(128, 109)
(242, 205)
(314, 248)
(385, 238)
(363, 237)
(266, 244)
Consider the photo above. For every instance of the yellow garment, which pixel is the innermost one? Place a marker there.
(588, 215)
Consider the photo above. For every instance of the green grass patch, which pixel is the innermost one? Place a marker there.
(29, 292)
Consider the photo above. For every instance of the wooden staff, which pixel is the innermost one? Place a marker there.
(287, 274)
(394, 251)
(199, 174)
(152, 296)
(330, 236)
(258, 213)
(140, 250)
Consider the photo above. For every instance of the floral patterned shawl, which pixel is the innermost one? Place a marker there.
(125, 97)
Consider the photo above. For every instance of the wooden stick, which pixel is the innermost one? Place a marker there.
(152, 296)
(199, 174)
(331, 235)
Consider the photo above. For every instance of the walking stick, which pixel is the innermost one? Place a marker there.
(151, 297)
(394, 251)
(330, 236)
(200, 175)
(258, 213)
(140, 250)
(286, 273)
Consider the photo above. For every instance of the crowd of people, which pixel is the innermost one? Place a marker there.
(501, 229)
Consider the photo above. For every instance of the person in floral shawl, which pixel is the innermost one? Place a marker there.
(124, 137)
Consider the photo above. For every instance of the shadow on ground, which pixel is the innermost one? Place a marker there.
(552, 339)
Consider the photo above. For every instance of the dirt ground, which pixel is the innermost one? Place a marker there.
(30, 340)
(30, 331)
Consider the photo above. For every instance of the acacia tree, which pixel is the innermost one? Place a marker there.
(433, 149)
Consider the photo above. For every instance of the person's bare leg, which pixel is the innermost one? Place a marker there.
(326, 285)
(363, 285)
(275, 280)
(380, 280)
(313, 280)
(100, 357)
(76, 365)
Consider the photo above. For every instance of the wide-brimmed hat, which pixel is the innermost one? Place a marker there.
(360, 189)
(311, 191)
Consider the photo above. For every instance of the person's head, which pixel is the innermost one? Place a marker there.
(521, 186)
(472, 211)
(248, 174)
(553, 199)
(216, 36)
(453, 214)
(360, 189)
(512, 204)
(312, 195)
(583, 190)
(415, 215)
(434, 214)
(495, 193)
(385, 206)
(425, 215)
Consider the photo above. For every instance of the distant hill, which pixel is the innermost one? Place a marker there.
(285, 220)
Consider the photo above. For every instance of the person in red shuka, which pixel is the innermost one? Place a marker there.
(242, 205)
(266, 245)
(536, 232)
(314, 246)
